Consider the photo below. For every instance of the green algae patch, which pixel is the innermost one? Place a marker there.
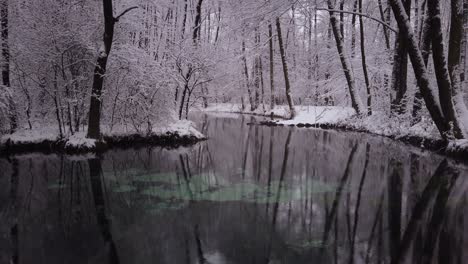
(199, 190)
(124, 189)
(165, 177)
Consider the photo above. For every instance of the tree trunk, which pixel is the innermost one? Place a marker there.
(353, 30)
(400, 68)
(197, 26)
(425, 86)
(425, 46)
(272, 65)
(94, 123)
(455, 67)
(285, 69)
(342, 20)
(12, 115)
(256, 72)
(355, 99)
(441, 67)
(184, 20)
(246, 76)
(364, 63)
(385, 30)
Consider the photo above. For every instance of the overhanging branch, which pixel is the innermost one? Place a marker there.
(362, 15)
(116, 19)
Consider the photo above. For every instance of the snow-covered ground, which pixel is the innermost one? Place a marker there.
(378, 123)
(50, 133)
(305, 114)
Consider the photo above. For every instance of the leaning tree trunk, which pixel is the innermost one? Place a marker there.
(355, 99)
(441, 67)
(287, 84)
(385, 30)
(12, 115)
(425, 86)
(94, 123)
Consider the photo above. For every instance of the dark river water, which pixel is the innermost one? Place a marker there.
(249, 194)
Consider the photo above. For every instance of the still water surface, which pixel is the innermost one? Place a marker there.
(250, 194)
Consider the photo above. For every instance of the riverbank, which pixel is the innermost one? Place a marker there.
(46, 139)
(423, 134)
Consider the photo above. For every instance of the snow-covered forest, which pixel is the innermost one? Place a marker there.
(233, 131)
(134, 66)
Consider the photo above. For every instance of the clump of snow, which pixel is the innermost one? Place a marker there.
(79, 141)
(183, 128)
(458, 146)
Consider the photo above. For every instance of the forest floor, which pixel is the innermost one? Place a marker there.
(47, 139)
(423, 134)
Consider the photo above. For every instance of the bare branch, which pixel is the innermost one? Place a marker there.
(362, 15)
(116, 19)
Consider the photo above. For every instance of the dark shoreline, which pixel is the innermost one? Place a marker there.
(438, 146)
(59, 146)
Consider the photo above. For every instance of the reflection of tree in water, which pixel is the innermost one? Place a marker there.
(95, 172)
(356, 221)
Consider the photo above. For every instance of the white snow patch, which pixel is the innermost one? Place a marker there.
(319, 114)
(36, 135)
(79, 141)
(183, 128)
(458, 145)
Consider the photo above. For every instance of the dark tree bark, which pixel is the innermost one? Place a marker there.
(426, 88)
(355, 99)
(285, 69)
(353, 29)
(364, 63)
(94, 130)
(256, 72)
(6, 64)
(197, 26)
(246, 76)
(272, 67)
(441, 68)
(425, 46)
(94, 123)
(455, 66)
(400, 68)
(184, 20)
(385, 30)
(342, 20)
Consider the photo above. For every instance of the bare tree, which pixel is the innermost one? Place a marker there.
(94, 123)
(287, 84)
(355, 99)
